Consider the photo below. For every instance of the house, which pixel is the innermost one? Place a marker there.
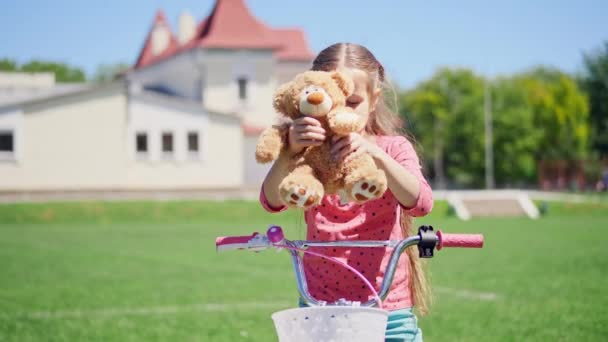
(186, 116)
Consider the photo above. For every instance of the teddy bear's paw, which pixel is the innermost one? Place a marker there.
(365, 190)
(346, 122)
(301, 197)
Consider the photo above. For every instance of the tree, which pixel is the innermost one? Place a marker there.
(63, 72)
(560, 109)
(516, 137)
(446, 115)
(8, 65)
(109, 72)
(424, 109)
(465, 157)
(536, 115)
(595, 83)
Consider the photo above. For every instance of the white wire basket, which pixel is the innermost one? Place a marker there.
(331, 324)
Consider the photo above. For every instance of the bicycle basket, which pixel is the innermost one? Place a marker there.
(331, 324)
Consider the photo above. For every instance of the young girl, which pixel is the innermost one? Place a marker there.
(386, 218)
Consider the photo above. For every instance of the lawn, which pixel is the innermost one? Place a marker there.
(148, 271)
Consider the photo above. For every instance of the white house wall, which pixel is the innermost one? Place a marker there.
(286, 71)
(86, 142)
(254, 172)
(225, 151)
(211, 76)
(218, 163)
(11, 120)
(70, 143)
(221, 93)
(181, 75)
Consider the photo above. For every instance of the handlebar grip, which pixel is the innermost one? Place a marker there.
(459, 240)
(224, 243)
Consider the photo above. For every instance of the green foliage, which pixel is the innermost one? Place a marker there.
(560, 109)
(516, 138)
(540, 114)
(446, 116)
(595, 83)
(8, 65)
(109, 72)
(62, 71)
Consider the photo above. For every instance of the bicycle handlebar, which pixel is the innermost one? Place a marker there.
(257, 241)
(427, 240)
(233, 242)
(459, 240)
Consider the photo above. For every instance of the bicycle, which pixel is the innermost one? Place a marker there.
(342, 320)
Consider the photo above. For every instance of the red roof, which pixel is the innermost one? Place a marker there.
(146, 55)
(232, 26)
(293, 45)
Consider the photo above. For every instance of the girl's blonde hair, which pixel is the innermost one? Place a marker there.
(382, 121)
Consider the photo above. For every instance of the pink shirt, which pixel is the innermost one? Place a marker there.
(374, 220)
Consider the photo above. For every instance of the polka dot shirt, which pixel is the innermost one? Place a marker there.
(373, 220)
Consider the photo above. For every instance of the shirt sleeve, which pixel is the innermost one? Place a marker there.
(267, 205)
(403, 152)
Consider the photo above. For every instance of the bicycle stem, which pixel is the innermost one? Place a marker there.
(426, 240)
(298, 265)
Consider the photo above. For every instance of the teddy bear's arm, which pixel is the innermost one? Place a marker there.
(343, 121)
(271, 142)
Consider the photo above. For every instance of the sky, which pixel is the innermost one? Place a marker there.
(411, 38)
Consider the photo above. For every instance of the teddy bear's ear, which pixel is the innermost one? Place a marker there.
(345, 83)
(279, 102)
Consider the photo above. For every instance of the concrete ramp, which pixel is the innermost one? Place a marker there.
(496, 203)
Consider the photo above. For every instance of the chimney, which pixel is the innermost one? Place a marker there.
(161, 34)
(187, 27)
(160, 39)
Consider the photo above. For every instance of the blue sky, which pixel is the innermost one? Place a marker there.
(411, 38)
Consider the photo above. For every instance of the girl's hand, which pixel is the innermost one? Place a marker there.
(352, 145)
(304, 132)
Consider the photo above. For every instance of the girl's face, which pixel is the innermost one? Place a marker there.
(363, 100)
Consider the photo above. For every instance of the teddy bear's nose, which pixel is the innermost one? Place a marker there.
(315, 98)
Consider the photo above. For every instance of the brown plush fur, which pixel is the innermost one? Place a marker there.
(270, 143)
(313, 172)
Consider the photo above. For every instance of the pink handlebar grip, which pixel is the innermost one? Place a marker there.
(232, 242)
(459, 240)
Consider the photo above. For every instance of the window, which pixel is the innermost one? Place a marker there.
(7, 145)
(141, 143)
(167, 144)
(242, 88)
(192, 142)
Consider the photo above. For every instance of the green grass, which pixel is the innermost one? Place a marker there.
(148, 271)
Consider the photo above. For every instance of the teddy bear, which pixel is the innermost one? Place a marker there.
(312, 173)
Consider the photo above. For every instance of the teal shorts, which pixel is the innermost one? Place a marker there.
(402, 326)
